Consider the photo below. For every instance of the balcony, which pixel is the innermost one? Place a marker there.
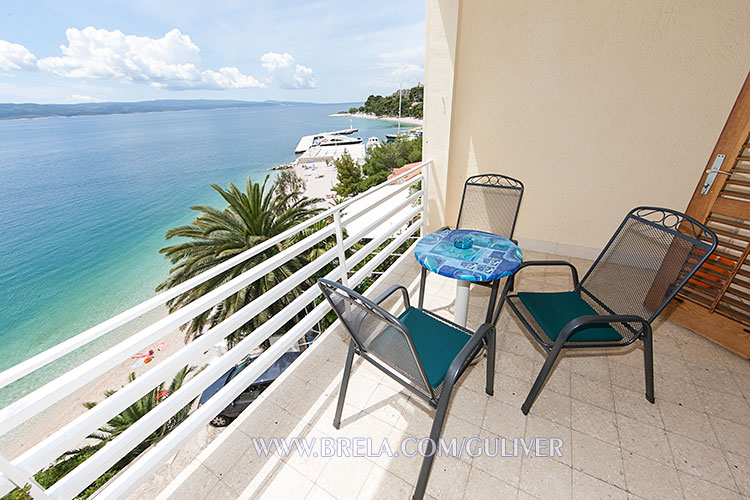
(693, 443)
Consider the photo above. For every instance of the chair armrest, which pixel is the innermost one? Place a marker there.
(573, 270)
(465, 355)
(576, 324)
(390, 291)
(442, 229)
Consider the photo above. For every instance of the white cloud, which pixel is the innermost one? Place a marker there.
(15, 57)
(405, 65)
(283, 70)
(170, 62)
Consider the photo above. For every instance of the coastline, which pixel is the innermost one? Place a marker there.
(319, 179)
(69, 408)
(410, 120)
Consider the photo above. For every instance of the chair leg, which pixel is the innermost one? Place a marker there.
(429, 458)
(493, 299)
(422, 283)
(648, 364)
(491, 343)
(543, 374)
(344, 384)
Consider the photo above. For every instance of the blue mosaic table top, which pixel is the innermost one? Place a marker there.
(487, 258)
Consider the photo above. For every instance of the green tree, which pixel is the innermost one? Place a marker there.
(349, 176)
(252, 217)
(291, 186)
(116, 426)
(389, 156)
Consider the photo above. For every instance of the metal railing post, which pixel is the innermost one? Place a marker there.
(425, 175)
(343, 271)
(20, 479)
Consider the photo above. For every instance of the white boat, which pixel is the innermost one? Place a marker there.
(372, 142)
(338, 140)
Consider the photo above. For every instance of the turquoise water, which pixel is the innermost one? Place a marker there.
(85, 203)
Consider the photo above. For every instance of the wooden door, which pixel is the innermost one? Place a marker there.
(716, 302)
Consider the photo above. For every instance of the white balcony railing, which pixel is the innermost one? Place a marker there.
(20, 470)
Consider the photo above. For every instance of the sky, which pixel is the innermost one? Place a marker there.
(255, 50)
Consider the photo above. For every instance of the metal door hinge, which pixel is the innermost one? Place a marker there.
(712, 172)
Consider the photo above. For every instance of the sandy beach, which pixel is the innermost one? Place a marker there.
(404, 119)
(41, 426)
(319, 179)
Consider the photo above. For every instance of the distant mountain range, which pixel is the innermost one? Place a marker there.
(11, 111)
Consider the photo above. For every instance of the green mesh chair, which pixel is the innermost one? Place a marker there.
(422, 351)
(653, 253)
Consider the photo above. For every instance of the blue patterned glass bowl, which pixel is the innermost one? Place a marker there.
(463, 242)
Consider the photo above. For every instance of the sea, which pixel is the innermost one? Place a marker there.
(85, 203)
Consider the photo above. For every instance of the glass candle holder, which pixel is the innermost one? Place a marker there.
(463, 242)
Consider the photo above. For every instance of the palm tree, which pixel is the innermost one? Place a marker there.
(251, 217)
(116, 426)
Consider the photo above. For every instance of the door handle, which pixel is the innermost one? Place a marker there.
(713, 172)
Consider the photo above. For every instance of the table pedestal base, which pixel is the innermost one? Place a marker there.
(462, 302)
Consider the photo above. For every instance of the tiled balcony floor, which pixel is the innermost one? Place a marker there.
(693, 443)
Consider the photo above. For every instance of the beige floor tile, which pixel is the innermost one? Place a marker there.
(404, 461)
(552, 406)
(383, 485)
(308, 461)
(510, 390)
(318, 493)
(687, 422)
(504, 420)
(587, 487)
(733, 437)
(592, 391)
(224, 457)
(595, 421)
(498, 458)
(590, 366)
(542, 476)
(740, 468)
(459, 431)
(448, 478)
(515, 366)
(643, 439)
(541, 428)
(714, 378)
(521, 344)
(359, 391)
(697, 489)
(220, 492)
(416, 417)
(634, 405)
(482, 486)
(598, 459)
(474, 378)
(743, 381)
(354, 469)
(285, 483)
(468, 405)
(678, 391)
(651, 480)
(199, 485)
(386, 404)
(251, 471)
(700, 460)
(725, 405)
(627, 376)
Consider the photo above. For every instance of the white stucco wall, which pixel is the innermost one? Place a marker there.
(596, 106)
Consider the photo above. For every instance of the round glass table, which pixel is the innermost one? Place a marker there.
(467, 255)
